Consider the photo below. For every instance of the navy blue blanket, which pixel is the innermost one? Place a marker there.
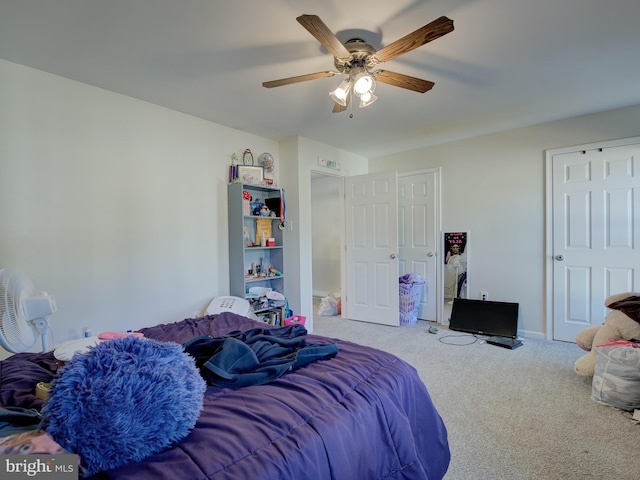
(363, 414)
(255, 357)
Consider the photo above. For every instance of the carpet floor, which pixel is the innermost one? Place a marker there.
(510, 414)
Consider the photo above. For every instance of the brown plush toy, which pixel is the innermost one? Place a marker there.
(623, 321)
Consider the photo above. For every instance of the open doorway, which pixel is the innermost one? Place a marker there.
(329, 236)
(327, 233)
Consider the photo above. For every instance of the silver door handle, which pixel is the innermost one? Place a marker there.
(392, 256)
(560, 257)
(430, 254)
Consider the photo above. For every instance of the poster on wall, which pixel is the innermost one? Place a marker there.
(455, 260)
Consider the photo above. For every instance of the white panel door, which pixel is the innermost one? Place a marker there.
(595, 234)
(371, 206)
(418, 234)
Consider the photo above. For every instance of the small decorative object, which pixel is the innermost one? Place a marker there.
(295, 319)
(265, 160)
(263, 225)
(233, 169)
(256, 206)
(247, 157)
(246, 203)
(246, 237)
(264, 211)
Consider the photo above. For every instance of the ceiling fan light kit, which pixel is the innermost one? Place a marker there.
(341, 94)
(367, 99)
(356, 59)
(363, 83)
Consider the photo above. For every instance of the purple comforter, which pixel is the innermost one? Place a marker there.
(364, 414)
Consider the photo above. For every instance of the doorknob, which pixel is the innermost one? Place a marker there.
(430, 254)
(560, 257)
(392, 256)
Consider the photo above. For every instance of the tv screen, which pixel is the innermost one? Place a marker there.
(484, 317)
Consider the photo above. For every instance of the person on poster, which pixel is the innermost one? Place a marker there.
(456, 264)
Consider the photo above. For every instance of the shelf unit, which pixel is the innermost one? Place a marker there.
(242, 258)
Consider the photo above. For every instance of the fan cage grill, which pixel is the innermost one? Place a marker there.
(16, 333)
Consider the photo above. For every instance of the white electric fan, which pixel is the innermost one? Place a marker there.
(23, 313)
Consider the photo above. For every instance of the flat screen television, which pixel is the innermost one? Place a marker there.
(483, 317)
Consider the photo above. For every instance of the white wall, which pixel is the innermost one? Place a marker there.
(494, 186)
(115, 206)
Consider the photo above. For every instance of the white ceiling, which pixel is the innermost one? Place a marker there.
(508, 63)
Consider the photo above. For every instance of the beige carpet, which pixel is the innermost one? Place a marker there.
(510, 414)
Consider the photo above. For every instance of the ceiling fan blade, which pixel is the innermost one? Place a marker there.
(324, 35)
(298, 79)
(403, 81)
(426, 34)
(337, 108)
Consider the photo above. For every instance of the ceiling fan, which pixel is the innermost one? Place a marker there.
(356, 59)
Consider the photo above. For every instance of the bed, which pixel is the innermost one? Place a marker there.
(363, 414)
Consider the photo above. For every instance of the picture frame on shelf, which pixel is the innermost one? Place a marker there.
(250, 174)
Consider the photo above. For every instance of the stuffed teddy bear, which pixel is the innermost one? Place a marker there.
(623, 321)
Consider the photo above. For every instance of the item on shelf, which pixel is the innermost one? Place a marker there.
(246, 203)
(263, 226)
(273, 295)
(250, 175)
(246, 237)
(247, 157)
(264, 211)
(259, 291)
(271, 317)
(256, 206)
(271, 242)
(274, 205)
(265, 160)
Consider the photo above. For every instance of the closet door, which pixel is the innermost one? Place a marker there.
(418, 227)
(595, 233)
